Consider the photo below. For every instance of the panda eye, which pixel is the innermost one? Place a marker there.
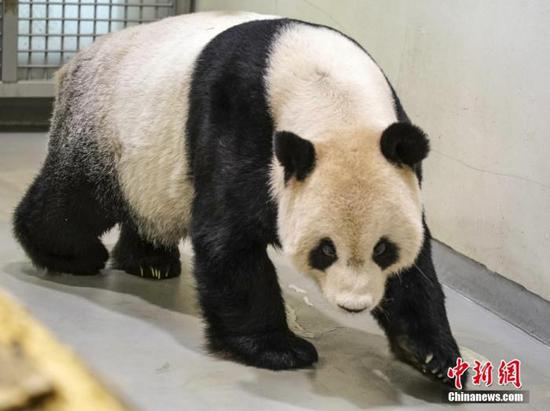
(328, 250)
(323, 255)
(385, 253)
(379, 249)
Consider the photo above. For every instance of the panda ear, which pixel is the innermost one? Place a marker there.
(404, 143)
(296, 155)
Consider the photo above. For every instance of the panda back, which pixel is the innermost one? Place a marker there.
(129, 91)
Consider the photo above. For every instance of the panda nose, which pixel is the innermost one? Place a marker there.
(352, 310)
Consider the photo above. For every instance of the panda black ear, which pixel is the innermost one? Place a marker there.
(404, 143)
(296, 155)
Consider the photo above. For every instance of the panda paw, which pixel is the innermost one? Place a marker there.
(151, 268)
(275, 351)
(431, 360)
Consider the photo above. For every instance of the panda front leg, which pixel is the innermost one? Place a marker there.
(414, 318)
(244, 310)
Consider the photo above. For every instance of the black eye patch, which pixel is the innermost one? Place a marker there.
(385, 253)
(323, 255)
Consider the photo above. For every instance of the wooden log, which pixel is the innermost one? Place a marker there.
(34, 366)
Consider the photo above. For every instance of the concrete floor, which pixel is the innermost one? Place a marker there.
(144, 338)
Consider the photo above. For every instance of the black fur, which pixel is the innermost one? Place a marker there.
(296, 155)
(230, 140)
(58, 223)
(404, 143)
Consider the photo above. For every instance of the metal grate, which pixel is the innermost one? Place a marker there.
(51, 31)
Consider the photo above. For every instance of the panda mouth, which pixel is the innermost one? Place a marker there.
(352, 310)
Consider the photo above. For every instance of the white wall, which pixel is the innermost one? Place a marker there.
(475, 74)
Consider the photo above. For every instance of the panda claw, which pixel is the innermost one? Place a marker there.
(428, 358)
(431, 363)
(156, 269)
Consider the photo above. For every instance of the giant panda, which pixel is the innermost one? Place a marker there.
(243, 131)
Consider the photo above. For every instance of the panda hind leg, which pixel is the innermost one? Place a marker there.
(58, 223)
(138, 256)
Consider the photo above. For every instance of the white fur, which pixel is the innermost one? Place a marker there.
(143, 76)
(324, 88)
(151, 123)
(320, 84)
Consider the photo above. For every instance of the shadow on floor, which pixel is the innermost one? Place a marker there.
(355, 365)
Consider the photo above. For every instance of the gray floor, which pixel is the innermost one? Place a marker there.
(144, 338)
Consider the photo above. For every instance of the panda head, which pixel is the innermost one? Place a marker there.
(349, 208)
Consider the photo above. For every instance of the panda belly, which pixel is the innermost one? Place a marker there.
(148, 114)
